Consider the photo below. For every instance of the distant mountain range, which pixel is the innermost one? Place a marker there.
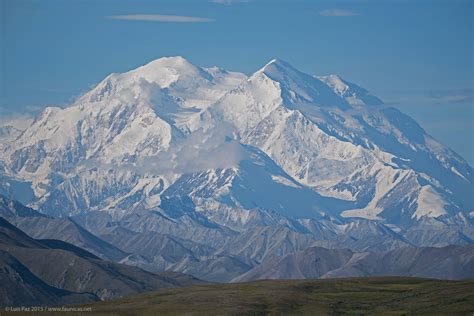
(293, 250)
(451, 262)
(228, 177)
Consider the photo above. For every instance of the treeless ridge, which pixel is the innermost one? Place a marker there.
(353, 296)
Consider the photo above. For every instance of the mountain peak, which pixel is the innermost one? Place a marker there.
(167, 70)
(298, 86)
(277, 61)
(277, 66)
(178, 63)
(170, 61)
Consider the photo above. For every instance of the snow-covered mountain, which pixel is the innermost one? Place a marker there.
(279, 145)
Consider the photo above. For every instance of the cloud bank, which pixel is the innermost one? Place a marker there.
(161, 18)
(337, 12)
(200, 151)
(453, 96)
(229, 2)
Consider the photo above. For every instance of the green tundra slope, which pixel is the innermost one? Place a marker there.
(355, 296)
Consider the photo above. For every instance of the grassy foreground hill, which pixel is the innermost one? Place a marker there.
(354, 296)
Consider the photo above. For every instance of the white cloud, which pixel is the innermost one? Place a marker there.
(229, 2)
(20, 121)
(161, 18)
(465, 96)
(200, 151)
(429, 98)
(337, 12)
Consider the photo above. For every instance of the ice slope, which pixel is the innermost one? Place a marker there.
(256, 183)
(123, 120)
(352, 93)
(375, 156)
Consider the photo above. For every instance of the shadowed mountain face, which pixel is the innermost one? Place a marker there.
(54, 272)
(20, 286)
(41, 226)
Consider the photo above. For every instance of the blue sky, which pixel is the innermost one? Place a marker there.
(415, 55)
